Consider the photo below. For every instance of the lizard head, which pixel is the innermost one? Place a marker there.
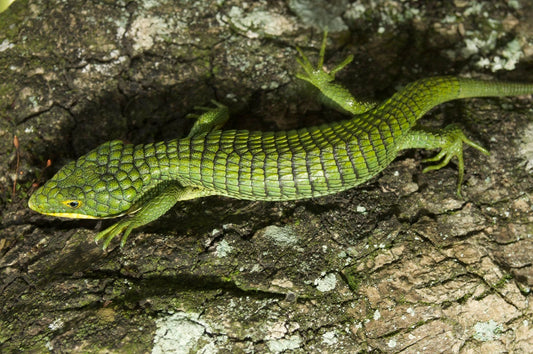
(97, 185)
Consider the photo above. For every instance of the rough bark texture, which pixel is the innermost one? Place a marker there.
(399, 264)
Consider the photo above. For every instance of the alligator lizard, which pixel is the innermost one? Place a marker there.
(143, 182)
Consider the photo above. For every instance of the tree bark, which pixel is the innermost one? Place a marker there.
(397, 264)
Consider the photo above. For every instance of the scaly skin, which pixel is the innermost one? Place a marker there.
(144, 181)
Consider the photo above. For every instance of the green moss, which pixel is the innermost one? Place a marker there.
(353, 278)
(16, 13)
(503, 281)
(462, 300)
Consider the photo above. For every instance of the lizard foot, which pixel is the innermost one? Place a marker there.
(453, 147)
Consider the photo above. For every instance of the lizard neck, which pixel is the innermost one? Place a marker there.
(155, 162)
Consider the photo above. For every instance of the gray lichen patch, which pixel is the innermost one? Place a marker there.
(321, 14)
(283, 236)
(526, 147)
(260, 22)
(326, 283)
(181, 333)
(487, 331)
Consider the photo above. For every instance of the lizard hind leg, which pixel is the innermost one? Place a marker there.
(449, 140)
(317, 76)
(333, 93)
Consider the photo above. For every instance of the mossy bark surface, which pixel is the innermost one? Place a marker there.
(398, 263)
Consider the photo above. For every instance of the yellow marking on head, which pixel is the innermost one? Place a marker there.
(71, 215)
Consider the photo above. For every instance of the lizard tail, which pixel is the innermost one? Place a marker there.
(478, 88)
(418, 97)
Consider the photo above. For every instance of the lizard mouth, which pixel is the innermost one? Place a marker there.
(71, 215)
(38, 207)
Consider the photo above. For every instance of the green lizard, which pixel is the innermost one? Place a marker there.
(143, 182)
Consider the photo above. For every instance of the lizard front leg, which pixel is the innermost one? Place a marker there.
(151, 206)
(212, 119)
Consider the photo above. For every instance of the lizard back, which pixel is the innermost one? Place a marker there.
(285, 165)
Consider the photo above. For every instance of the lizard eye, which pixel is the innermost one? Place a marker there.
(74, 204)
